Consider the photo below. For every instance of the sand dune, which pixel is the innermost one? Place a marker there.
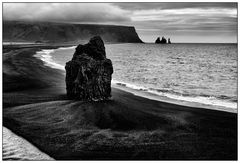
(16, 148)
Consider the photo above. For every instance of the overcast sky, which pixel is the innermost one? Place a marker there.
(182, 22)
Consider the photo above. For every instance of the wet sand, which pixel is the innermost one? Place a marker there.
(127, 127)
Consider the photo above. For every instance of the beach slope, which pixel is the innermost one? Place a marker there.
(127, 127)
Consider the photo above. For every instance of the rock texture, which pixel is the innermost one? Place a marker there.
(46, 32)
(89, 73)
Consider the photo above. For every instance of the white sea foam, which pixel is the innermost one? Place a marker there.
(198, 99)
(65, 48)
(133, 86)
(45, 56)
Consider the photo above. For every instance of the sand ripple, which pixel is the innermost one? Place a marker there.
(17, 148)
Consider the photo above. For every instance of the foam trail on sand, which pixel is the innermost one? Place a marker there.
(64, 48)
(45, 56)
(198, 99)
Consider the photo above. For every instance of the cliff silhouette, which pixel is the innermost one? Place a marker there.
(46, 32)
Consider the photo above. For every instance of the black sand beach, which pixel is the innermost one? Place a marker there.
(127, 127)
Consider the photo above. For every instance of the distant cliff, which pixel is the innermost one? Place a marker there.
(14, 31)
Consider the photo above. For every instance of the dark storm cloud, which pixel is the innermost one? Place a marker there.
(64, 12)
(174, 19)
(174, 5)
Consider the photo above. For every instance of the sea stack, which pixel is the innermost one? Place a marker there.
(89, 73)
(162, 41)
(158, 41)
(169, 41)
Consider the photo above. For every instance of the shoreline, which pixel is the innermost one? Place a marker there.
(153, 96)
(127, 127)
(205, 102)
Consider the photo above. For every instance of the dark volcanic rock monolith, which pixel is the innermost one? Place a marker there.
(158, 41)
(89, 73)
(162, 41)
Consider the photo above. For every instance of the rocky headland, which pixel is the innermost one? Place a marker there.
(46, 32)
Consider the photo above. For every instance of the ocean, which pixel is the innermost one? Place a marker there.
(201, 73)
